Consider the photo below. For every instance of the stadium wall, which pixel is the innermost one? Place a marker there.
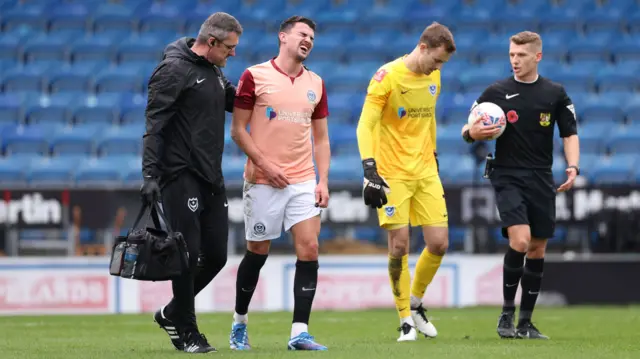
(40, 285)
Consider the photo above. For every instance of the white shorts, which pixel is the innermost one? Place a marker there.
(267, 209)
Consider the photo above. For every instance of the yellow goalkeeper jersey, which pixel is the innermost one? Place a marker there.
(397, 126)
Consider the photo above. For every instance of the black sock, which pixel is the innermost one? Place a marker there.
(531, 283)
(511, 274)
(304, 289)
(247, 279)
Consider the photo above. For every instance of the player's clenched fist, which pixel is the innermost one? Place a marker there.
(375, 187)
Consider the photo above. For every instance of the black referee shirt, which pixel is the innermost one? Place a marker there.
(532, 110)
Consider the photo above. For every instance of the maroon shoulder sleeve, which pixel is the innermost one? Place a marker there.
(245, 94)
(322, 108)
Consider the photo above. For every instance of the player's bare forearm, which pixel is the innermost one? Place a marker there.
(572, 150)
(322, 148)
(242, 138)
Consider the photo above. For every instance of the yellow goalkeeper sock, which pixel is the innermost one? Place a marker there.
(426, 269)
(400, 279)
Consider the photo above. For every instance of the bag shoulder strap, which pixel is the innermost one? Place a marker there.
(155, 212)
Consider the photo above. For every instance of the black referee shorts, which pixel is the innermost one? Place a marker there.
(526, 196)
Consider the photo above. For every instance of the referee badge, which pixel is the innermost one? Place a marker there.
(545, 119)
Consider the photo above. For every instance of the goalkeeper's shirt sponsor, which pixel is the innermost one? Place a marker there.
(404, 132)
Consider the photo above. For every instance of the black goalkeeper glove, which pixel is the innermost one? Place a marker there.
(375, 187)
(150, 191)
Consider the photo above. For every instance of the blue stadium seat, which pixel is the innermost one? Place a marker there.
(624, 139)
(367, 234)
(455, 113)
(24, 16)
(632, 110)
(133, 173)
(449, 140)
(613, 170)
(559, 166)
(341, 108)
(99, 171)
(626, 49)
(557, 19)
(9, 47)
(10, 108)
(458, 169)
(347, 78)
(633, 22)
(478, 79)
(26, 140)
(575, 79)
(69, 17)
(593, 136)
(343, 139)
(599, 20)
(52, 170)
(162, 21)
(384, 17)
(591, 47)
(121, 140)
(44, 49)
(92, 48)
(78, 139)
(23, 79)
(54, 108)
(119, 79)
(12, 171)
(140, 50)
(617, 79)
(113, 16)
(233, 167)
(346, 169)
(515, 19)
(363, 47)
(603, 108)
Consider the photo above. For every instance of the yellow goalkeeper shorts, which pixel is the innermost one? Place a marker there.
(416, 202)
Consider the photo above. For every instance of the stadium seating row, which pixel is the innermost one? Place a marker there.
(179, 15)
(126, 169)
(476, 47)
(128, 108)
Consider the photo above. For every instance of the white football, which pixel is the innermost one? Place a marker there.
(491, 114)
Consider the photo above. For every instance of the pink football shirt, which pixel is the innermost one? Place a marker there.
(280, 125)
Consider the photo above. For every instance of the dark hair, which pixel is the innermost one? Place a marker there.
(286, 25)
(436, 35)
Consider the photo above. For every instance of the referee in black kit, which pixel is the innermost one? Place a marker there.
(521, 173)
(183, 144)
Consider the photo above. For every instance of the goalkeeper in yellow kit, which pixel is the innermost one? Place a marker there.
(397, 142)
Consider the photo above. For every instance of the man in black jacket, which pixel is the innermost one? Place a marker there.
(183, 144)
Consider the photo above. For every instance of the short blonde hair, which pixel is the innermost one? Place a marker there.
(527, 37)
(436, 35)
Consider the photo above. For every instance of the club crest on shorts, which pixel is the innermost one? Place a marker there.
(259, 229)
(545, 119)
(390, 210)
(311, 96)
(192, 203)
(433, 89)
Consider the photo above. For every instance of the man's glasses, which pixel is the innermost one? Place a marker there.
(229, 47)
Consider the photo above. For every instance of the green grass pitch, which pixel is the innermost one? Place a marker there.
(576, 332)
